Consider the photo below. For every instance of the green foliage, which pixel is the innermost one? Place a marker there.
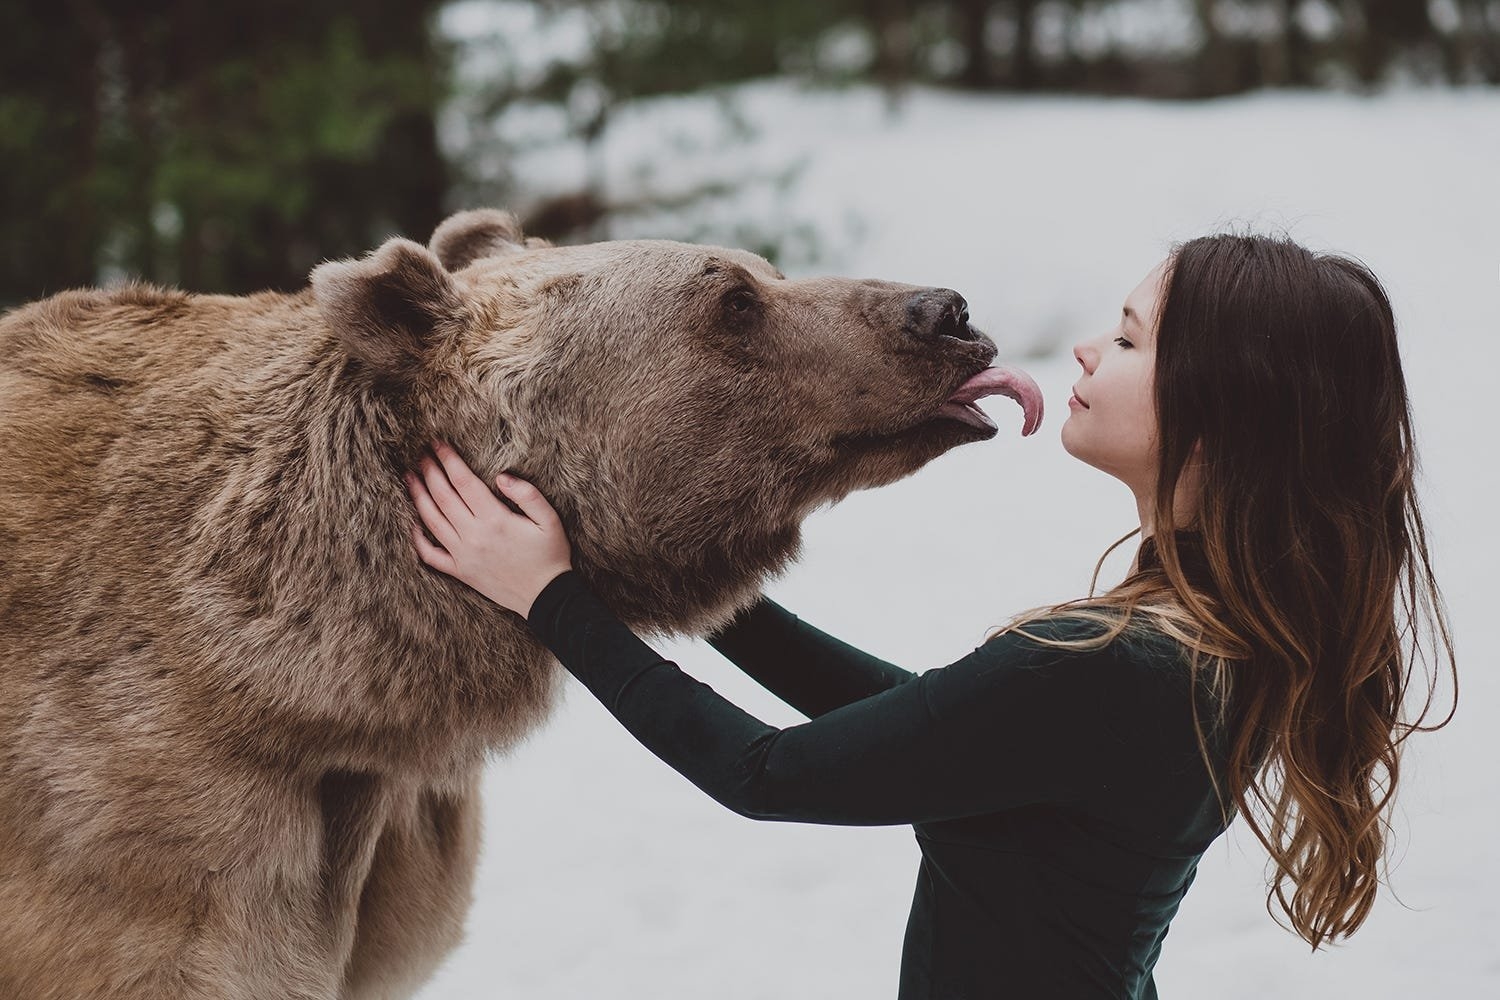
(225, 148)
(231, 146)
(652, 47)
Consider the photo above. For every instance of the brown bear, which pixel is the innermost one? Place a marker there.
(241, 725)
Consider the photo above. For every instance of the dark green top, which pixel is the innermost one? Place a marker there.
(1059, 798)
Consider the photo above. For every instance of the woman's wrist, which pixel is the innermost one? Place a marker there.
(542, 600)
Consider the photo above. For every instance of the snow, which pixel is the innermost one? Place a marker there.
(607, 875)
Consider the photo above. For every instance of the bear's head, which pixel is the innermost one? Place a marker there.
(683, 407)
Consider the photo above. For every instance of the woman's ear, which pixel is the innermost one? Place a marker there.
(390, 308)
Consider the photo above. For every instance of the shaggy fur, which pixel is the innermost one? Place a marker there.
(241, 726)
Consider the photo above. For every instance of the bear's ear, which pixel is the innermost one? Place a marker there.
(389, 307)
(463, 238)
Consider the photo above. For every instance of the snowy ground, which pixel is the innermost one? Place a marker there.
(606, 875)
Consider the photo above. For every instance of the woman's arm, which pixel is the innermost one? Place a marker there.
(1012, 723)
(804, 667)
(508, 557)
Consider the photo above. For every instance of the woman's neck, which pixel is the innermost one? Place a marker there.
(1184, 501)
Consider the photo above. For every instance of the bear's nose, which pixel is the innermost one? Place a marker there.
(938, 312)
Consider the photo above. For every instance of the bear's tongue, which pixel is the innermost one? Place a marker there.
(1001, 381)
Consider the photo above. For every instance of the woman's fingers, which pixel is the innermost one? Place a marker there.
(435, 478)
(529, 499)
(475, 494)
(480, 539)
(430, 554)
(437, 522)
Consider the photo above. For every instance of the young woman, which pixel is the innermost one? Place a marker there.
(1066, 776)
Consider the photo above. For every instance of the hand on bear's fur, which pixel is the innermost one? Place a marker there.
(507, 557)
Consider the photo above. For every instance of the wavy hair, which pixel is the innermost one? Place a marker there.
(1316, 602)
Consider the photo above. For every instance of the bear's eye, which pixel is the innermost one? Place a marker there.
(740, 300)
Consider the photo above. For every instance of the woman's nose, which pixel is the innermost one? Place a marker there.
(1084, 357)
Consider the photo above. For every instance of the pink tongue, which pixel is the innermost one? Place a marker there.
(1005, 381)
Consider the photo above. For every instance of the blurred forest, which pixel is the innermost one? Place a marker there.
(231, 146)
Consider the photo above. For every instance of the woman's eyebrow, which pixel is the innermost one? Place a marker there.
(1130, 314)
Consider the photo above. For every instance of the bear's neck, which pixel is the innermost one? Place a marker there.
(307, 533)
(695, 568)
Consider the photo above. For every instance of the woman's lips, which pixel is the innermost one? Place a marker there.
(1074, 401)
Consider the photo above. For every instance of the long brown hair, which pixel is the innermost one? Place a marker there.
(1281, 366)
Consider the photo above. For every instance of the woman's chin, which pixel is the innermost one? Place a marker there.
(1077, 445)
(1069, 437)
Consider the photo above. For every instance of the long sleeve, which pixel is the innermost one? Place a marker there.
(804, 667)
(1012, 723)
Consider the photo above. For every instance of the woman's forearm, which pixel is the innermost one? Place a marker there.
(1009, 724)
(803, 666)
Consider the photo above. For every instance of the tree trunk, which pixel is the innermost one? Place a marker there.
(82, 223)
(1474, 49)
(1214, 70)
(140, 65)
(1385, 28)
(1025, 66)
(890, 23)
(973, 17)
(1292, 66)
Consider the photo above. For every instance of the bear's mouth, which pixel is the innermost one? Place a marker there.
(999, 380)
(958, 419)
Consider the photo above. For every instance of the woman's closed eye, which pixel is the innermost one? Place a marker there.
(1123, 342)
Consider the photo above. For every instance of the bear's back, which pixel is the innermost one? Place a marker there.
(92, 378)
(194, 486)
(116, 340)
(106, 398)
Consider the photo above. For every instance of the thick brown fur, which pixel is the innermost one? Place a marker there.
(241, 726)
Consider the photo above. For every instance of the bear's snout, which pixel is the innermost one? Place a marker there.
(938, 312)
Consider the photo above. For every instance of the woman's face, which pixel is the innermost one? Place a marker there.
(1112, 415)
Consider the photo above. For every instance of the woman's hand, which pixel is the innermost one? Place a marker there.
(507, 557)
